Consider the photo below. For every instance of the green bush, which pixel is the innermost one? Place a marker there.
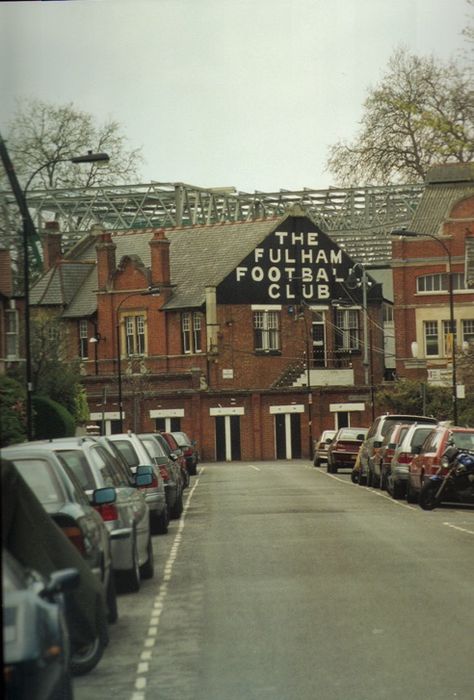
(51, 419)
(12, 411)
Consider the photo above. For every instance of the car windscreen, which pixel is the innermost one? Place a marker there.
(41, 478)
(77, 463)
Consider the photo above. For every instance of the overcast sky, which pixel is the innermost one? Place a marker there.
(249, 93)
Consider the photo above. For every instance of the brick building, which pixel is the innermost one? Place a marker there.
(214, 326)
(424, 339)
(9, 314)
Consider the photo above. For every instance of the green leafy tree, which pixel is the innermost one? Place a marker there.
(420, 114)
(12, 411)
(408, 396)
(40, 133)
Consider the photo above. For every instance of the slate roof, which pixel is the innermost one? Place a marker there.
(60, 285)
(445, 185)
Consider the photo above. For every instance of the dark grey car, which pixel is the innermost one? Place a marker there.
(171, 472)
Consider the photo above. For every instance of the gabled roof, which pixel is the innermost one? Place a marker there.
(445, 185)
(60, 284)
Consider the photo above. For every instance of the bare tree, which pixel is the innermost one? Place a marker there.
(421, 114)
(41, 133)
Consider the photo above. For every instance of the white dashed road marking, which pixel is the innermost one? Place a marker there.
(150, 640)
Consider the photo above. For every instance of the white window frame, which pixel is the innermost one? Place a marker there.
(191, 332)
(134, 330)
(266, 330)
(83, 339)
(347, 329)
(12, 337)
(438, 283)
(431, 326)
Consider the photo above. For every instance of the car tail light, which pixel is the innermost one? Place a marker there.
(75, 536)
(154, 484)
(405, 458)
(188, 452)
(108, 512)
(165, 475)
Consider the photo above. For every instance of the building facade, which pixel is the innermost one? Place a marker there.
(422, 265)
(253, 337)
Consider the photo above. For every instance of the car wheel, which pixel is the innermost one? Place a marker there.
(160, 522)
(178, 507)
(148, 569)
(111, 599)
(131, 577)
(87, 657)
(369, 477)
(398, 490)
(65, 692)
(428, 500)
(412, 496)
(383, 481)
(316, 462)
(354, 476)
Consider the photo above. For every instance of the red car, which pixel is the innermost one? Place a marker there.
(344, 448)
(428, 461)
(176, 449)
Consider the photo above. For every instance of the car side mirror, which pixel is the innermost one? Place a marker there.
(377, 444)
(173, 457)
(143, 469)
(62, 581)
(361, 437)
(143, 480)
(101, 497)
(328, 441)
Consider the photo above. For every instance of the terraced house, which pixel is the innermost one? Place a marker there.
(255, 335)
(251, 336)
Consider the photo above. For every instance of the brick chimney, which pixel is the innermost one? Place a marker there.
(105, 258)
(52, 244)
(160, 258)
(6, 275)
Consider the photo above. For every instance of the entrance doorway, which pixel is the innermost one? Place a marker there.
(227, 438)
(288, 435)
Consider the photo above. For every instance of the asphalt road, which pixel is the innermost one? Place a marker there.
(281, 581)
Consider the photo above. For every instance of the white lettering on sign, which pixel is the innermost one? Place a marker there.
(295, 257)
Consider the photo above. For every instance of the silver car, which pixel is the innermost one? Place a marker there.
(135, 454)
(127, 519)
(397, 476)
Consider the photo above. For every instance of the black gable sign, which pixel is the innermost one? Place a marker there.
(296, 262)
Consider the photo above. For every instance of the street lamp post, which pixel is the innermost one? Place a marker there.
(29, 228)
(151, 291)
(415, 234)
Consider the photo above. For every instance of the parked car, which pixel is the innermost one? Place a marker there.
(374, 440)
(170, 471)
(397, 476)
(136, 455)
(176, 450)
(383, 456)
(427, 461)
(321, 447)
(189, 449)
(36, 646)
(343, 449)
(38, 489)
(127, 519)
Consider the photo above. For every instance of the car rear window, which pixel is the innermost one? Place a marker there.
(40, 477)
(128, 451)
(351, 434)
(419, 436)
(77, 463)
